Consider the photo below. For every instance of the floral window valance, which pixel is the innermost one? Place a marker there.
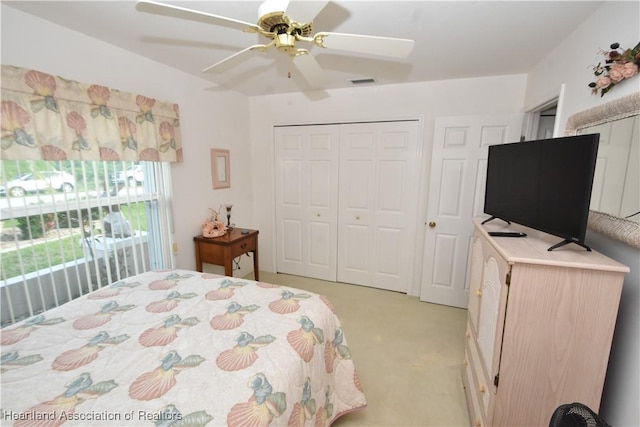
(51, 118)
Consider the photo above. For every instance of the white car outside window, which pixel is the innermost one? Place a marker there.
(41, 181)
(132, 177)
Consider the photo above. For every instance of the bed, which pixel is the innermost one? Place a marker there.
(180, 348)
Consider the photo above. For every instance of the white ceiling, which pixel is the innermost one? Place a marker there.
(454, 39)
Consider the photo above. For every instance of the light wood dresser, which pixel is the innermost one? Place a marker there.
(539, 327)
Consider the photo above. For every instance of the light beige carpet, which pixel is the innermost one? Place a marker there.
(408, 353)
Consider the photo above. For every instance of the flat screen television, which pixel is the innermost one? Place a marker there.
(543, 184)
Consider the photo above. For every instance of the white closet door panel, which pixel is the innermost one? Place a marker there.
(377, 204)
(306, 165)
(291, 181)
(355, 204)
(356, 180)
(391, 193)
(291, 236)
(361, 141)
(387, 262)
(289, 144)
(319, 239)
(356, 253)
(320, 183)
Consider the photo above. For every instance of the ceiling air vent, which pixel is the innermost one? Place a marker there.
(362, 81)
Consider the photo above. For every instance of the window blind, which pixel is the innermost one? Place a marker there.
(71, 227)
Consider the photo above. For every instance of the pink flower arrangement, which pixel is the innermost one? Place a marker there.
(619, 64)
(214, 226)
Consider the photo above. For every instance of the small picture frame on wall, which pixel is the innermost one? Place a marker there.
(220, 171)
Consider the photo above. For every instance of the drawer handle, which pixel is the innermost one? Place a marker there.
(465, 362)
(467, 334)
(244, 245)
(477, 423)
(482, 389)
(478, 292)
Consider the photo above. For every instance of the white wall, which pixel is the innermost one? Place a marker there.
(226, 120)
(208, 118)
(570, 64)
(424, 101)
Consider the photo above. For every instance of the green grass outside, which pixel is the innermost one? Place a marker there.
(136, 215)
(54, 252)
(40, 255)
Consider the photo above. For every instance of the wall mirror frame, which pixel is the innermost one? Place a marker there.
(620, 229)
(220, 168)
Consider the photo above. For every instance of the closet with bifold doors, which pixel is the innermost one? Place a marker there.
(347, 201)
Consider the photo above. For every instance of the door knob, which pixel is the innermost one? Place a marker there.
(432, 224)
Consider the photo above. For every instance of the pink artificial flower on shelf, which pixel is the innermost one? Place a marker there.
(214, 226)
(603, 82)
(615, 72)
(629, 70)
(619, 65)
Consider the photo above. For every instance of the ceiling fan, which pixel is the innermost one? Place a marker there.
(285, 23)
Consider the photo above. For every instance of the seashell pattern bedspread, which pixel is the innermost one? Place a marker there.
(180, 348)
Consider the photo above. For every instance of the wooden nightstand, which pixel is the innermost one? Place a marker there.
(222, 250)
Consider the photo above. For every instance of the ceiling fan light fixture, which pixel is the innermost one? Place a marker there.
(286, 43)
(270, 21)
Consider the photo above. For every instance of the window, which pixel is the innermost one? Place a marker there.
(70, 227)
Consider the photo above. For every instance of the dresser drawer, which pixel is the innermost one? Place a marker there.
(476, 415)
(243, 246)
(485, 389)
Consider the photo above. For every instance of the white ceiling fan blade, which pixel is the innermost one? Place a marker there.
(193, 15)
(270, 6)
(301, 11)
(304, 11)
(235, 59)
(372, 45)
(310, 69)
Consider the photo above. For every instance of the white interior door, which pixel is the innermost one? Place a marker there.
(306, 183)
(456, 195)
(377, 204)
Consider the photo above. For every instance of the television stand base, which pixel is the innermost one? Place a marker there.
(566, 242)
(495, 217)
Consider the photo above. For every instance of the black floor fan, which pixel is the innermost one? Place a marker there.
(576, 415)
